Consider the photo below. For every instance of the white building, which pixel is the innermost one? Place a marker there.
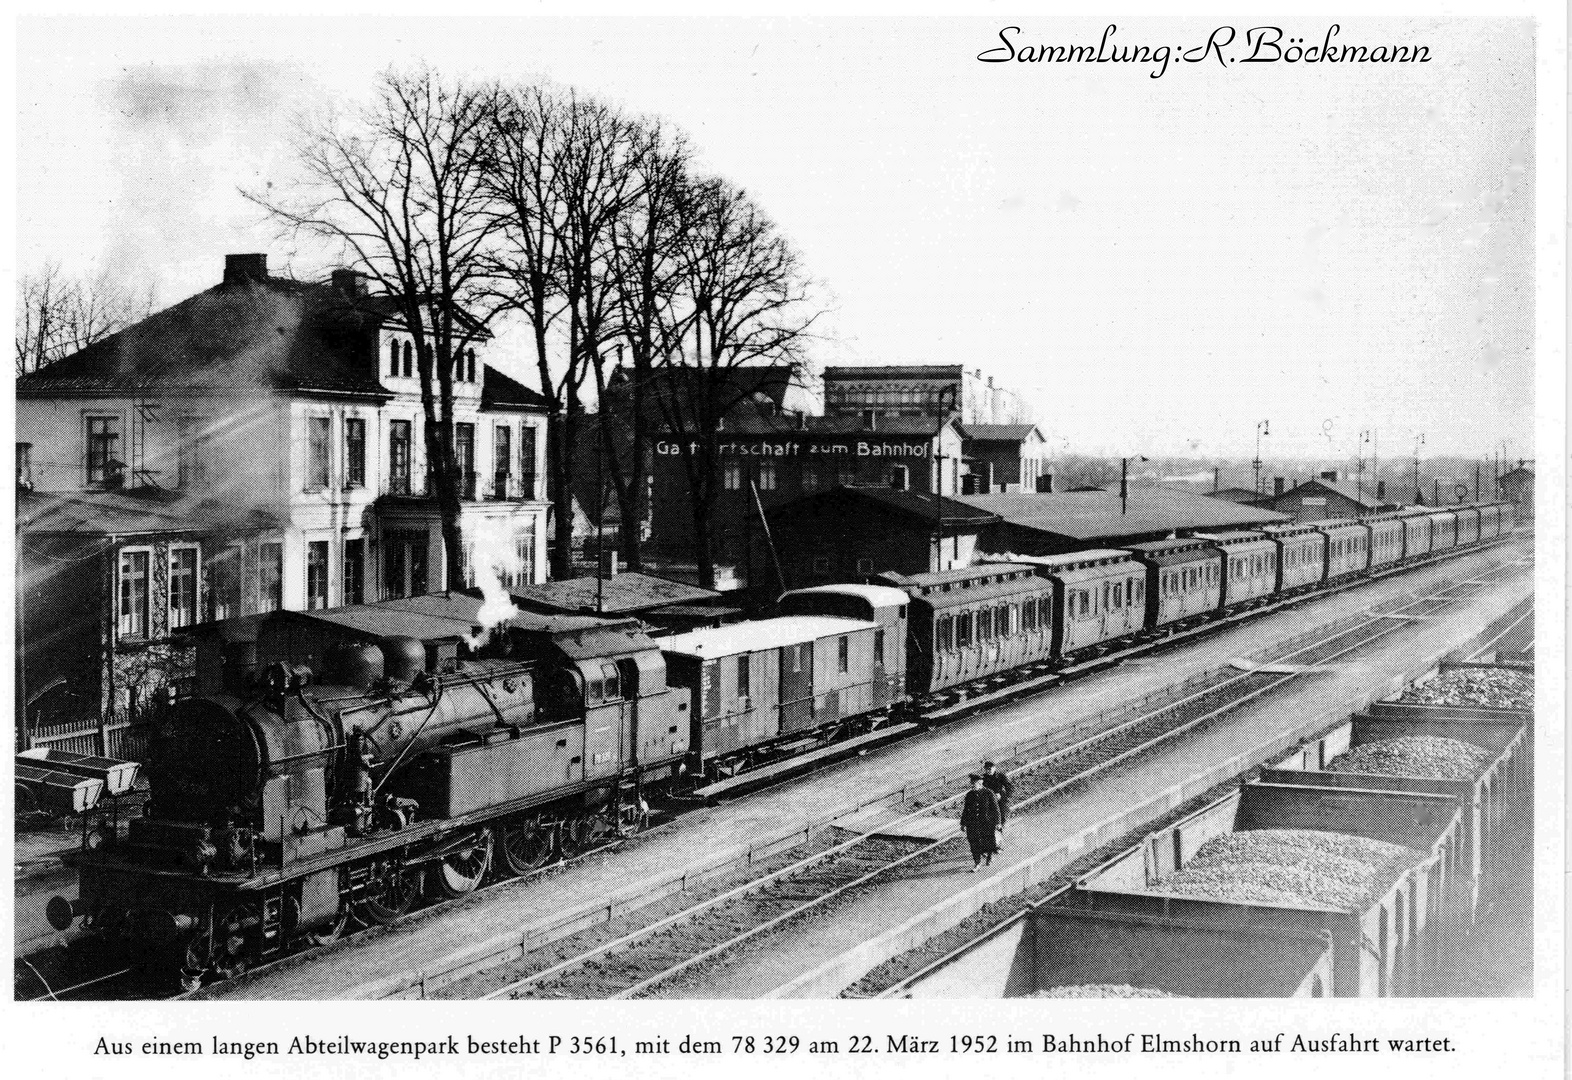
(300, 401)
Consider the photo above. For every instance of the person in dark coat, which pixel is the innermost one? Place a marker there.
(999, 782)
(980, 822)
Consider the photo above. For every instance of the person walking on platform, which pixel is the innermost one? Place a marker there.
(980, 822)
(999, 782)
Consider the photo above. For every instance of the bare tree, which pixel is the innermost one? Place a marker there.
(399, 186)
(747, 304)
(647, 278)
(57, 315)
(560, 169)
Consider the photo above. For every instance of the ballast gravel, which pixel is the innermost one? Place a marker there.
(1290, 866)
(1429, 756)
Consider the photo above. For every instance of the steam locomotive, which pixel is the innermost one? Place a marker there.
(347, 762)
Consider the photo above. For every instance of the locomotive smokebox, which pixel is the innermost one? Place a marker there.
(353, 665)
(403, 658)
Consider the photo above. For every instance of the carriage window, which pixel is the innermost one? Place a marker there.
(1001, 621)
(1084, 603)
(612, 689)
(844, 654)
(744, 676)
(945, 634)
(963, 629)
(878, 646)
(1118, 595)
(984, 625)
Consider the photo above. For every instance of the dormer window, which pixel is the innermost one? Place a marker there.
(471, 366)
(409, 360)
(393, 358)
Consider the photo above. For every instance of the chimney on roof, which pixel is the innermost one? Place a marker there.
(1277, 487)
(352, 283)
(1381, 491)
(251, 267)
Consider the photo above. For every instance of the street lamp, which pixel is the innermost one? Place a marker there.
(1124, 482)
(1261, 428)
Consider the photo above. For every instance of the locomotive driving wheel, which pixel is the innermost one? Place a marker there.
(458, 873)
(525, 845)
(387, 894)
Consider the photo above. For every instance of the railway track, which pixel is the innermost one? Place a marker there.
(123, 982)
(642, 960)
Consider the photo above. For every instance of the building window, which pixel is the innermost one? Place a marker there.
(769, 476)
(522, 569)
(189, 435)
(821, 564)
(354, 571)
(409, 360)
(900, 477)
(316, 575)
(398, 456)
(223, 583)
(527, 463)
(24, 466)
(103, 451)
(810, 478)
(318, 429)
(843, 654)
(270, 577)
(464, 458)
(502, 459)
(744, 677)
(865, 566)
(393, 358)
(133, 594)
(470, 356)
(731, 476)
(354, 452)
(182, 587)
(404, 567)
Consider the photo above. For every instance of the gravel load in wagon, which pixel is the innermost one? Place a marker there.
(1100, 990)
(1291, 866)
(1495, 688)
(1431, 756)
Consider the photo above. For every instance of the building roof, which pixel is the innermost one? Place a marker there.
(710, 642)
(753, 422)
(626, 592)
(437, 615)
(267, 334)
(497, 391)
(895, 371)
(1351, 492)
(1238, 495)
(133, 513)
(916, 505)
(1012, 433)
(1091, 515)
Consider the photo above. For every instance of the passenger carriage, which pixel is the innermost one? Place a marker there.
(1386, 541)
(1249, 566)
(1467, 525)
(1183, 580)
(1301, 555)
(1347, 548)
(973, 622)
(1098, 595)
(1416, 534)
(1443, 531)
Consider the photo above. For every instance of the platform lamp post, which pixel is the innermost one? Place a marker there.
(1124, 482)
(1264, 427)
(1419, 494)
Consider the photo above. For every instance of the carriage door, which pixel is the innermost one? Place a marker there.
(628, 675)
(796, 683)
(881, 682)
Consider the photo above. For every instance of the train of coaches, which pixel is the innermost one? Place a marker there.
(340, 771)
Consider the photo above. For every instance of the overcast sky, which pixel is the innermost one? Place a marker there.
(1156, 263)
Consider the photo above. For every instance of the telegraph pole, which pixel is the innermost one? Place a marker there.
(1419, 440)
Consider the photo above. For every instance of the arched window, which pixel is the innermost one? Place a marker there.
(409, 360)
(471, 366)
(393, 357)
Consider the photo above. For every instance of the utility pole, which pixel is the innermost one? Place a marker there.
(1476, 481)
(1124, 483)
(1419, 494)
(938, 507)
(1262, 428)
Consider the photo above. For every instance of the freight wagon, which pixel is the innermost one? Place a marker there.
(1382, 944)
